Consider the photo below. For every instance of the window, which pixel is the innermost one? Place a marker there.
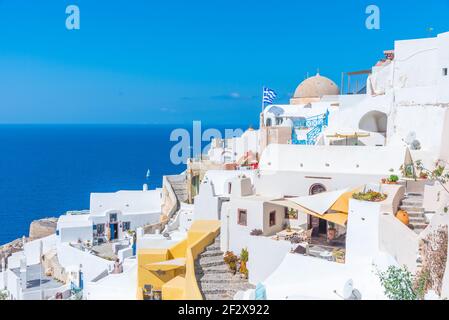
(126, 226)
(113, 217)
(272, 218)
(317, 188)
(445, 72)
(242, 217)
(100, 229)
(268, 122)
(291, 214)
(229, 187)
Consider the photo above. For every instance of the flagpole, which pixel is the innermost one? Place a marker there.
(263, 93)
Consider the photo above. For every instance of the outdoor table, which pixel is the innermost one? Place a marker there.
(284, 234)
(327, 255)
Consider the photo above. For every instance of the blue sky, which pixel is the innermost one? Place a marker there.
(147, 61)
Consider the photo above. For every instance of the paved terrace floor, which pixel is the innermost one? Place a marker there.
(36, 279)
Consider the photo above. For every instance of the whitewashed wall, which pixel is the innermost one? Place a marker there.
(92, 265)
(399, 241)
(32, 248)
(73, 234)
(362, 235)
(206, 204)
(265, 255)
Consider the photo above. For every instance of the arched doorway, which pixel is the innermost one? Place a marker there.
(317, 188)
(374, 121)
(319, 225)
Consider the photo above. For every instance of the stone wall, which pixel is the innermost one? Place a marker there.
(42, 228)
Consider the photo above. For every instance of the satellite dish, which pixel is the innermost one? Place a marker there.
(349, 293)
(410, 138)
(415, 145)
(347, 289)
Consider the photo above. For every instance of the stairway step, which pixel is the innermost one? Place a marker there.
(414, 194)
(217, 269)
(214, 289)
(410, 202)
(207, 259)
(212, 264)
(211, 253)
(415, 214)
(419, 226)
(217, 297)
(213, 276)
(412, 208)
(414, 220)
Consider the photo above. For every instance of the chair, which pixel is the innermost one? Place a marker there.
(306, 236)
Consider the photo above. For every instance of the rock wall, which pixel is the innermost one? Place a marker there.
(42, 228)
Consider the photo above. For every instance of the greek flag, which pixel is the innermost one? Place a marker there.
(268, 95)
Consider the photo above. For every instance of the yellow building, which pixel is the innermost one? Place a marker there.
(170, 272)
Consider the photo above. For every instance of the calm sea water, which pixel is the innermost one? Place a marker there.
(48, 170)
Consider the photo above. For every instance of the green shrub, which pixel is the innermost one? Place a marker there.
(397, 283)
(393, 178)
(370, 195)
(231, 260)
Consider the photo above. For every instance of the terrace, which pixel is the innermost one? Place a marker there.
(323, 235)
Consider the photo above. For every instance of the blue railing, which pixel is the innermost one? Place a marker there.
(317, 123)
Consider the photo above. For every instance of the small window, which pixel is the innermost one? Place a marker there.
(229, 187)
(272, 218)
(445, 72)
(126, 225)
(242, 217)
(268, 122)
(291, 214)
(113, 218)
(100, 229)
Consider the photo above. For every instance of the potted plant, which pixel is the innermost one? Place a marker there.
(393, 179)
(231, 260)
(403, 216)
(331, 232)
(243, 260)
(256, 232)
(369, 195)
(423, 175)
(339, 255)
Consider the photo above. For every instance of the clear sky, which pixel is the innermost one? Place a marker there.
(145, 61)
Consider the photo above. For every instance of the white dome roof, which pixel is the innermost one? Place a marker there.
(316, 87)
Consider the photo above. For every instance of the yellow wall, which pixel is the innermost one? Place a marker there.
(180, 283)
(145, 257)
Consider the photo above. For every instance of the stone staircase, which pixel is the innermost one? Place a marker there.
(215, 280)
(413, 205)
(179, 188)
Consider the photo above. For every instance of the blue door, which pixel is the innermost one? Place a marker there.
(112, 228)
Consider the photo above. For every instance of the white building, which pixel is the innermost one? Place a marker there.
(111, 216)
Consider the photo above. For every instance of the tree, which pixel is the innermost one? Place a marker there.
(397, 283)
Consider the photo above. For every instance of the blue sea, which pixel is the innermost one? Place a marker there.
(46, 170)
